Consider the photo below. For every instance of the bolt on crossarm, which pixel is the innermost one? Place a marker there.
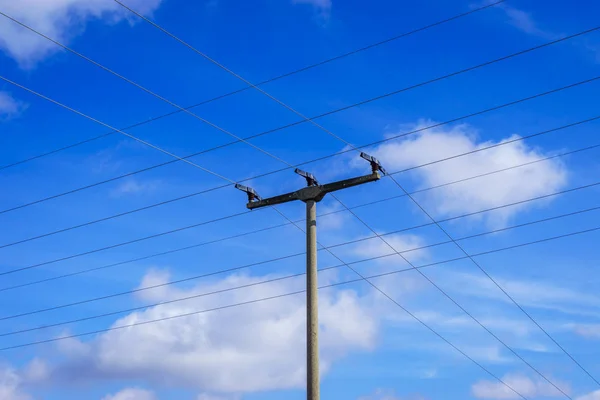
(311, 195)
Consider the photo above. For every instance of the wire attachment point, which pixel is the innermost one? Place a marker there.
(375, 164)
(252, 195)
(310, 178)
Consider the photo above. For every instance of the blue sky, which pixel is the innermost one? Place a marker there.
(370, 348)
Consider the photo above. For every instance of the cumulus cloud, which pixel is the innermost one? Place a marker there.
(537, 294)
(11, 385)
(590, 396)
(206, 396)
(389, 394)
(526, 386)
(377, 247)
(133, 187)
(590, 331)
(60, 19)
(473, 195)
(132, 394)
(243, 349)
(525, 22)
(10, 107)
(324, 5)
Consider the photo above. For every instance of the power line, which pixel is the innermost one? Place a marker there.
(285, 224)
(503, 143)
(422, 129)
(213, 125)
(586, 148)
(503, 291)
(246, 303)
(294, 72)
(28, 344)
(326, 248)
(81, 114)
(120, 244)
(416, 203)
(305, 119)
(400, 186)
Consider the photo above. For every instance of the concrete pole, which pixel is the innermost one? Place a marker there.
(312, 315)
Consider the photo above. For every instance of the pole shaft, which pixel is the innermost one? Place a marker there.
(312, 316)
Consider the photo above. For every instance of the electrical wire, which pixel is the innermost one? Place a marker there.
(203, 120)
(422, 129)
(294, 72)
(400, 186)
(81, 114)
(479, 149)
(495, 282)
(307, 119)
(289, 256)
(166, 152)
(121, 244)
(28, 344)
(18, 286)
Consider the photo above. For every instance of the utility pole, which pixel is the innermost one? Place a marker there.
(311, 195)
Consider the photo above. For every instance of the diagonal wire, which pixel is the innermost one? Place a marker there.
(160, 234)
(545, 196)
(327, 248)
(378, 289)
(283, 295)
(233, 269)
(404, 134)
(307, 119)
(131, 136)
(497, 284)
(412, 199)
(137, 85)
(175, 105)
(88, 223)
(285, 75)
(244, 140)
(453, 300)
(55, 102)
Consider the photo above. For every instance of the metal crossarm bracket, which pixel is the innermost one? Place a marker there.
(315, 193)
(310, 178)
(375, 164)
(252, 195)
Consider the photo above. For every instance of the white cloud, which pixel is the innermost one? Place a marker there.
(377, 247)
(538, 294)
(131, 394)
(526, 386)
(10, 107)
(590, 396)
(259, 345)
(473, 195)
(389, 394)
(11, 385)
(324, 5)
(206, 396)
(134, 187)
(61, 20)
(524, 21)
(590, 331)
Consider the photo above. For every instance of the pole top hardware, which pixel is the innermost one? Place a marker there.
(252, 195)
(375, 164)
(310, 178)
